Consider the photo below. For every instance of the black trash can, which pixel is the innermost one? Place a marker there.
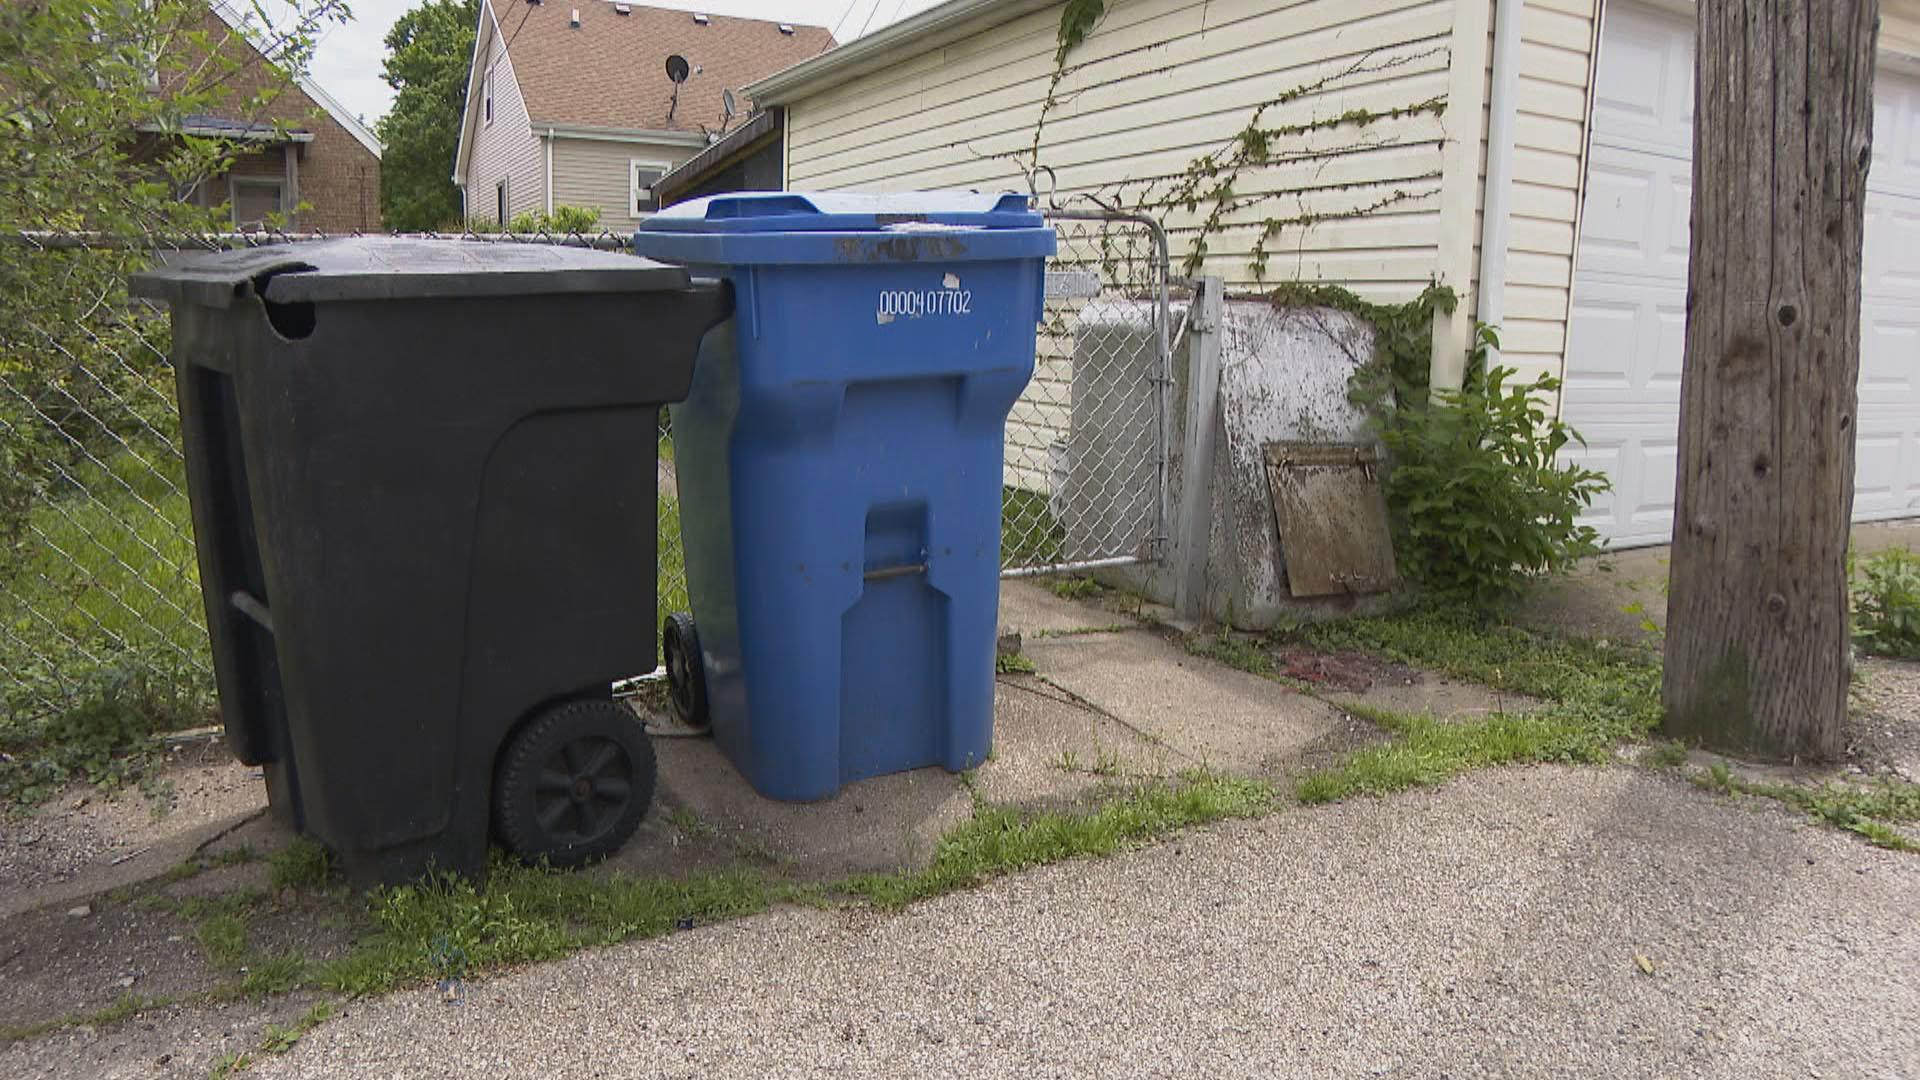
(423, 479)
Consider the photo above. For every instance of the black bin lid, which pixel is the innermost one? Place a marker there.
(397, 268)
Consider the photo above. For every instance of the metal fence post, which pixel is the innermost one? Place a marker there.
(1195, 513)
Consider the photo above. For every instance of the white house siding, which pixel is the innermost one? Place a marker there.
(505, 148)
(595, 173)
(1159, 83)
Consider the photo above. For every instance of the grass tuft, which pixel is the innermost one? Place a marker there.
(998, 840)
(445, 928)
(302, 864)
(224, 936)
(1430, 751)
(1870, 810)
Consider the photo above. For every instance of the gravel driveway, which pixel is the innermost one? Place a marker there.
(1539, 922)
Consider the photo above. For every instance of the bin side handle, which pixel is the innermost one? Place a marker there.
(249, 605)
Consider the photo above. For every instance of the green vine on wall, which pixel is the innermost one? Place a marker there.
(1397, 374)
(1077, 20)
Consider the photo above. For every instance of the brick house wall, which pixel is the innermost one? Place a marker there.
(335, 174)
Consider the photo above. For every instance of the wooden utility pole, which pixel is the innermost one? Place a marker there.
(1758, 655)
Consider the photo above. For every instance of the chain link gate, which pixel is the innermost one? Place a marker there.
(99, 585)
(1086, 444)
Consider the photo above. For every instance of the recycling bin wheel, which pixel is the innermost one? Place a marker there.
(573, 783)
(686, 674)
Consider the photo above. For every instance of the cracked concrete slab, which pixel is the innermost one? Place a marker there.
(1208, 714)
(1049, 748)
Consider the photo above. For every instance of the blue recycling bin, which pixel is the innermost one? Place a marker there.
(838, 460)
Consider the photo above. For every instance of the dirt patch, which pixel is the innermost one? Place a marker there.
(1883, 729)
(64, 961)
(1353, 672)
(173, 1043)
(1350, 734)
(84, 828)
(1361, 680)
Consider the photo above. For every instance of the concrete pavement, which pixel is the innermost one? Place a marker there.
(1494, 927)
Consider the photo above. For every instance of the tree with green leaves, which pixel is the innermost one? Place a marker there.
(93, 94)
(95, 102)
(428, 50)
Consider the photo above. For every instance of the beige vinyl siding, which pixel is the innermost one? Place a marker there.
(594, 173)
(505, 148)
(1900, 29)
(1549, 159)
(1159, 83)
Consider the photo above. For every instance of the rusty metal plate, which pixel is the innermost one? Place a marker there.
(1332, 518)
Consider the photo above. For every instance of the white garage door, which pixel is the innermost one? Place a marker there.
(1627, 329)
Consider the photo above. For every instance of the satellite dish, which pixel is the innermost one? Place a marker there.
(677, 68)
(727, 107)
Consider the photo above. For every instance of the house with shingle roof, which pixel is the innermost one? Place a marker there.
(300, 159)
(570, 103)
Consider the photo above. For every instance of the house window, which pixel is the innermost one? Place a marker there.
(643, 175)
(486, 95)
(500, 203)
(253, 200)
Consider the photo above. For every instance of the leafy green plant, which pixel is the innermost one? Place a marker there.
(102, 737)
(1478, 501)
(428, 49)
(1396, 375)
(1013, 664)
(1886, 604)
(563, 220)
(1074, 587)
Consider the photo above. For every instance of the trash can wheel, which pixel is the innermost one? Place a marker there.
(573, 783)
(686, 674)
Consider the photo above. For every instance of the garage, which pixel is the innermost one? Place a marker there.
(1627, 324)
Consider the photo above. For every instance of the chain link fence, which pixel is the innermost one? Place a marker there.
(99, 591)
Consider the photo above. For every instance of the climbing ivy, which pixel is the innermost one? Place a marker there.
(1077, 20)
(1397, 375)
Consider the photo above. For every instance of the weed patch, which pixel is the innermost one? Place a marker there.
(1429, 751)
(224, 937)
(1870, 810)
(121, 1009)
(1665, 755)
(1074, 587)
(1886, 604)
(279, 1038)
(1013, 663)
(303, 864)
(445, 928)
(999, 840)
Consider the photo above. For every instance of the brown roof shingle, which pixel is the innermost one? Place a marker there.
(611, 71)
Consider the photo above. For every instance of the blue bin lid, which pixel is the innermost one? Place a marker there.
(776, 227)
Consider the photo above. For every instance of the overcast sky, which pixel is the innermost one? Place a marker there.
(347, 64)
